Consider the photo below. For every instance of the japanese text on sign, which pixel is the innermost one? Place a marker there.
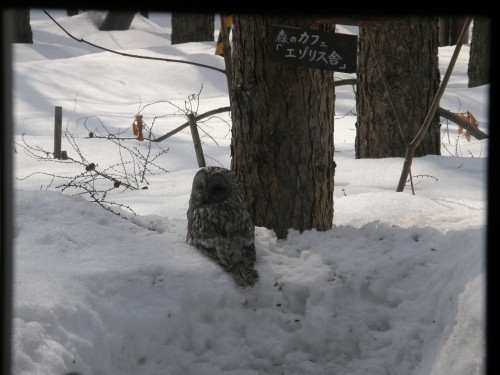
(314, 48)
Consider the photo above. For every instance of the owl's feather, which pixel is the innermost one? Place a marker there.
(219, 223)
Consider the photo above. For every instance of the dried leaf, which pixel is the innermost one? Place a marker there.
(469, 117)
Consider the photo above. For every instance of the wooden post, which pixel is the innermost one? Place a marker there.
(196, 141)
(57, 132)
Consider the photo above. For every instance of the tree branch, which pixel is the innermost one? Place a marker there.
(185, 125)
(130, 55)
(475, 132)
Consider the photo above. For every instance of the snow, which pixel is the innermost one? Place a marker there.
(397, 286)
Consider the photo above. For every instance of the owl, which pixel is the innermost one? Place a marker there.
(219, 224)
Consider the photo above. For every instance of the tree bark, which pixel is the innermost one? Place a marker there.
(478, 69)
(449, 30)
(282, 134)
(117, 20)
(22, 28)
(192, 27)
(398, 77)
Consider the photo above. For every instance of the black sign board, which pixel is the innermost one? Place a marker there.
(314, 48)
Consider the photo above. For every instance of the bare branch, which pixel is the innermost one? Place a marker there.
(130, 55)
(474, 131)
(185, 125)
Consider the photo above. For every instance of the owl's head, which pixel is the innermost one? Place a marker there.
(209, 186)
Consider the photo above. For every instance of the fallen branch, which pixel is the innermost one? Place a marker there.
(460, 120)
(345, 82)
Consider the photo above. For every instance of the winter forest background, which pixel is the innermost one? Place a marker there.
(104, 282)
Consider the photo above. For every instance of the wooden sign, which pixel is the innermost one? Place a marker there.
(314, 48)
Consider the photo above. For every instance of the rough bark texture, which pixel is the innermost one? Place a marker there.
(407, 51)
(22, 28)
(192, 27)
(478, 69)
(282, 141)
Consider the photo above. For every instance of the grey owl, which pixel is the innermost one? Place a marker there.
(219, 223)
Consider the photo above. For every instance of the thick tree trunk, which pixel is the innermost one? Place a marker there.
(478, 69)
(192, 27)
(450, 29)
(22, 28)
(282, 142)
(117, 20)
(404, 56)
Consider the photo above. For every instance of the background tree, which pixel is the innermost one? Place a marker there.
(398, 73)
(22, 29)
(478, 69)
(192, 27)
(117, 20)
(449, 29)
(282, 141)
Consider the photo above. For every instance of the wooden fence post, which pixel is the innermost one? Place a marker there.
(57, 132)
(196, 141)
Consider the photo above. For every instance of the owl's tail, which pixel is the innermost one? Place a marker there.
(243, 274)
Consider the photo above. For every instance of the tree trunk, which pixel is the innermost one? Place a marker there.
(282, 133)
(22, 28)
(478, 69)
(406, 52)
(444, 31)
(450, 29)
(117, 20)
(192, 27)
(228, 22)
